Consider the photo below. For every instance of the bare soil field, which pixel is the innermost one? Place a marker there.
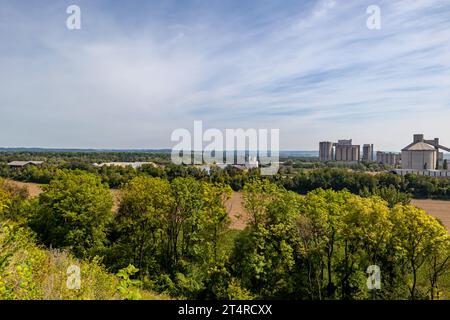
(34, 189)
(116, 199)
(439, 209)
(236, 211)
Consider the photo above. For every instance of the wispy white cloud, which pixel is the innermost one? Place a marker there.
(313, 70)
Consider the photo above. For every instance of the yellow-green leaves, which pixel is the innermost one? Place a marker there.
(321, 245)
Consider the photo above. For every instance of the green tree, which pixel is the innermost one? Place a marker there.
(438, 262)
(324, 209)
(172, 231)
(366, 233)
(5, 201)
(416, 234)
(393, 196)
(138, 225)
(74, 210)
(14, 204)
(264, 256)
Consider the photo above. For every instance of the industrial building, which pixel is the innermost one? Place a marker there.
(326, 151)
(368, 153)
(423, 154)
(135, 165)
(427, 173)
(343, 150)
(346, 151)
(388, 158)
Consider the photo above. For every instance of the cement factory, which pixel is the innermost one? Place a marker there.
(345, 151)
(421, 156)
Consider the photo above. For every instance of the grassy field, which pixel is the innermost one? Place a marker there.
(439, 209)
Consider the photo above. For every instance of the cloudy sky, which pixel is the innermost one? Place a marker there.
(137, 70)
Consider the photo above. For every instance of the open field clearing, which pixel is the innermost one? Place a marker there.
(439, 209)
(236, 211)
(34, 189)
(116, 198)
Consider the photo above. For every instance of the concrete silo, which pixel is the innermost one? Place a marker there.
(419, 155)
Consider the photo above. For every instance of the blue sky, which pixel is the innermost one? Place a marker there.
(137, 70)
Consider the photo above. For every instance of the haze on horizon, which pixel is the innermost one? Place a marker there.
(137, 70)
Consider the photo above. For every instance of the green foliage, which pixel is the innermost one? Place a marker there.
(296, 173)
(17, 263)
(294, 164)
(116, 176)
(170, 228)
(320, 246)
(392, 196)
(14, 204)
(30, 272)
(418, 237)
(264, 255)
(126, 284)
(368, 184)
(171, 234)
(73, 212)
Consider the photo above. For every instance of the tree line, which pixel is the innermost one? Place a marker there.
(363, 183)
(303, 181)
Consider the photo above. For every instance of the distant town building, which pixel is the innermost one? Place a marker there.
(252, 163)
(423, 154)
(135, 165)
(388, 158)
(22, 164)
(326, 151)
(368, 153)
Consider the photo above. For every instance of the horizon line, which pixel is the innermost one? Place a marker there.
(3, 149)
